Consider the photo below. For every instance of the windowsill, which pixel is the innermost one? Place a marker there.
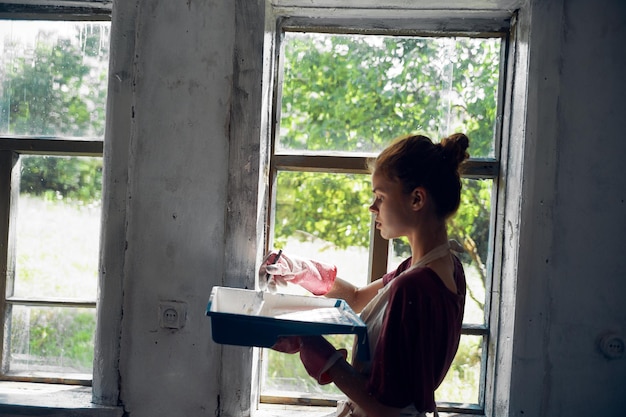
(53, 400)
(24, 398)
(281, 410)
(277, 410)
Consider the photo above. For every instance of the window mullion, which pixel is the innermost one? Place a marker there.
(379, 250)
(8, 159)
(475, 329)
(55, 146)
(321, 163)
(473, 168)
(50, 302)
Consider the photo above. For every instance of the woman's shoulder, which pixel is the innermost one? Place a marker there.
(425, 280)
(405, 272)
(421, 276)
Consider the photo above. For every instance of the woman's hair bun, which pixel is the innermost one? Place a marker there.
(454, 148)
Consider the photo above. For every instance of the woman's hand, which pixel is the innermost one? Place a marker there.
(315, 276)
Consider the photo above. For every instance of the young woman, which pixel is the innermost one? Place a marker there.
(413, 314)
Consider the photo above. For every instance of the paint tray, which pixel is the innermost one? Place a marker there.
(256, 318)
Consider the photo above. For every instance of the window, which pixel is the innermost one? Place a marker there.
(53, 78)
(340, 96)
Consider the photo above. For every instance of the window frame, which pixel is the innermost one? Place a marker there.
(412, 23)
(11, 148)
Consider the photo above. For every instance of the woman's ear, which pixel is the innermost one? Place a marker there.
(418, 198)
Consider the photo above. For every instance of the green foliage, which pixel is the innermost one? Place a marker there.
(352, 93)
(60, 337)
(472, 219)
(287, 372)
(461, 384)
(309, 202)
(56, 239)
(357, 93)
(70, 338)
(57, 88)
(338, 93)
(73, 178)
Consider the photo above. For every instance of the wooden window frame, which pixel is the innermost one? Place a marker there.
(493, 24)
(11, 148)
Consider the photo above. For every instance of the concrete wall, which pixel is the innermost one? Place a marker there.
(166, 179)
(184, 85)
(571, 281)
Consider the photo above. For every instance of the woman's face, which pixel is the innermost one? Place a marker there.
(392, 207)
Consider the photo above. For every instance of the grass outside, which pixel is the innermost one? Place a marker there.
(56, 258)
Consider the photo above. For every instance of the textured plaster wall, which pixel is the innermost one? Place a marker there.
(571, 281)
(590, 213)
(181, 72)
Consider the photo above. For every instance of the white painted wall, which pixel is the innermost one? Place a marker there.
(168, 153)
(184, 85)
(177, 188)
(571, 281)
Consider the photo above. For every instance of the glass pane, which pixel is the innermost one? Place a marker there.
(470, 227)
(462, 383)
(58, 227)
(355, 93)
(53, 78)
(51, 339)
(325, 217)
(284, 375)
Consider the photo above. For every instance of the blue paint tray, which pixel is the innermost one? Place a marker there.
(256, 318)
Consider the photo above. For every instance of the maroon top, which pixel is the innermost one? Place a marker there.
(419, 337)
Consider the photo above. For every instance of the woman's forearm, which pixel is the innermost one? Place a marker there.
(344, 290)
(357, 298)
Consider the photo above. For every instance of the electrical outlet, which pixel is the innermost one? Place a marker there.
(172, 314)
(612, 346)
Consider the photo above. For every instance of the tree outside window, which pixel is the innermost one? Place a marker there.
(53, 77)
(351, 95)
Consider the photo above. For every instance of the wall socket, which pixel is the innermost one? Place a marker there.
(612, 345)
(172, 314)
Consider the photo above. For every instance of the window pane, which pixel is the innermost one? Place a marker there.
(53, 78)
(58, 227)
(355, 93)
(326, 217)
(51, 339)
(470, 227)
(462, 383)
(344, 93)
(284, 374)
